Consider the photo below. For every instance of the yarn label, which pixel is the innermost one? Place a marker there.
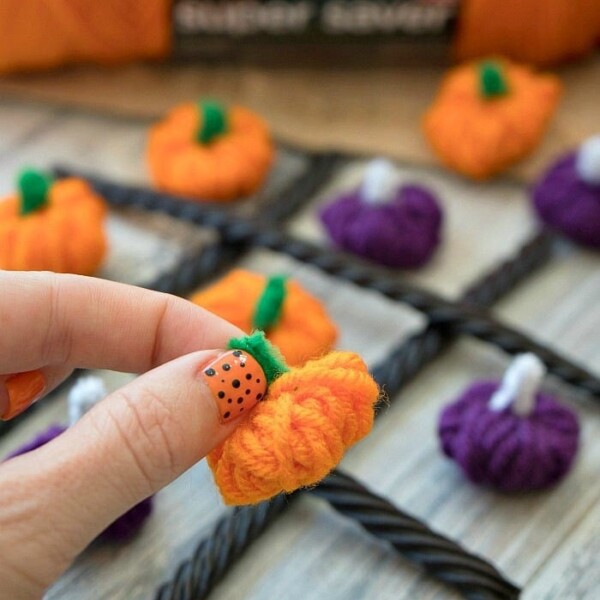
(205, 25)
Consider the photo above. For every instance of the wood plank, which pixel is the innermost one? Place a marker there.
(311, 552)
(471, 212)
(370, 110)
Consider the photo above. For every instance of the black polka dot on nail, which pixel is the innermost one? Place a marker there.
(243, 365)
(240, 400)
(229, 400)
(242, 409)
(226, 367)
(237, 353)
(210, 372)
(227, 415)
(258, 396)
(248, 376)
(221, 394)
(258, 381)
(248, 392)
(235, 383)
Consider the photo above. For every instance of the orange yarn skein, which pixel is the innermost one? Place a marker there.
(539, 32)
(52, 226)
(40, 34)
(489, 115)
(299, 432)
(209, 153)
(303, 329)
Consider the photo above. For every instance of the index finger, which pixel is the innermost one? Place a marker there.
(50, 319)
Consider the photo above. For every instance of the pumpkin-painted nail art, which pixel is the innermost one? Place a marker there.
(23, 389)
(237, 383)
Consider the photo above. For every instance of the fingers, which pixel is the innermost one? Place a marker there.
(49, 319)
(19, 391)
(127, 447)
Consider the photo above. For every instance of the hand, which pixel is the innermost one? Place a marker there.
(55, 500)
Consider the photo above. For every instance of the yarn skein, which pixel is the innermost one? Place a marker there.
(489, 115)
(298, 433)
(203, 151)
(567, 196)
(508, 435)
(86, 392)
(537, 32)
(38, 34)
(294, 321)
(391, 225)
(52, 226)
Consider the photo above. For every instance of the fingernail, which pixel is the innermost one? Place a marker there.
(23, 389)
(237, 383)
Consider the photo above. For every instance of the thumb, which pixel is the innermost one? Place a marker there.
(130, 445)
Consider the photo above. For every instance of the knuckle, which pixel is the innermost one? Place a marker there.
(57, 342)
(149, 432)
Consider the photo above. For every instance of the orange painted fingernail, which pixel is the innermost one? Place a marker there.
(23, 389)
(237, 383)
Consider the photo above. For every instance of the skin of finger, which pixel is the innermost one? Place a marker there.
(50, 319)
(55, 500)
(53, 377)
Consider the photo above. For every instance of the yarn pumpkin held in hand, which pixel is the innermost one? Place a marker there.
(207, 152)
(298, 433)
(393, 226)
(509, 436)
(489, 115)
(294, 321)
(52, 226)
(567, 197)
(82, 397)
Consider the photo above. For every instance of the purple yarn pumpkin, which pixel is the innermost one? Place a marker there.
(403, 232)
(127, 525)
(504, 450)
(41, 439)
(569, 204)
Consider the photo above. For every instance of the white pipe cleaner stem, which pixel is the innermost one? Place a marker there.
(587, 163)
(86, 392)
(519, 385)
(379, 182)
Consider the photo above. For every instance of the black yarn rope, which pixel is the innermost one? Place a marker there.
(443, 558)
(197, 576)
(227, 541)
(459, 317)
(214, 258)
(419, 349)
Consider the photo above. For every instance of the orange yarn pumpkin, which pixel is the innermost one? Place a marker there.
(52, 227)
(489, 115)
(202, 151)
(302, 329)
(299, 432)
(539, 32)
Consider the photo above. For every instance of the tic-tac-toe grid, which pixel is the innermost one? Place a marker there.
(399, 466)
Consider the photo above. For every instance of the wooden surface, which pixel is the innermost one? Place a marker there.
(370, 110)
(547, 542)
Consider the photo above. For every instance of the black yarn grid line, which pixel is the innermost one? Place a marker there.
(472, 582)
(461, 317)
(196, 577)
(209, 261)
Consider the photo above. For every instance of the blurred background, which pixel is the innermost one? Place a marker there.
(346, 74)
